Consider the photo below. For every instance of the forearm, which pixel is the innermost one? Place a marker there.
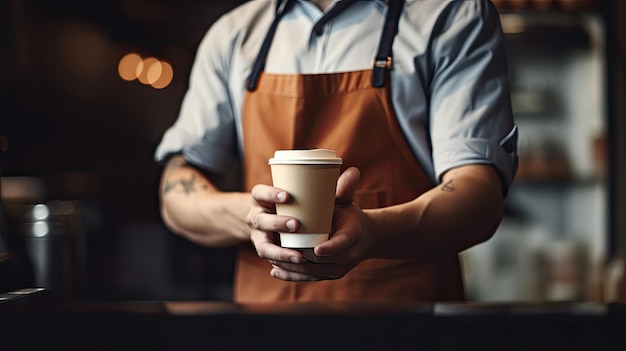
(192, 206)
(462, 211)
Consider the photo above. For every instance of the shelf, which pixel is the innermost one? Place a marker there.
(584, 181)
(567, 6)
(544, 33)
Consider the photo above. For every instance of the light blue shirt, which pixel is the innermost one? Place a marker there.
(449, 79)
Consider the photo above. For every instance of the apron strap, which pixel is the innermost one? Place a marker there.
(259, 63)
(281, 7)
(383, 58)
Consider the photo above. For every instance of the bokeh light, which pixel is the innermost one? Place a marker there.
(149, 71)
(129, 65)
(165, 76)
(142, 71)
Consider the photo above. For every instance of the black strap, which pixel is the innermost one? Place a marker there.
(383, 58)
(259, 63)
(281, 7)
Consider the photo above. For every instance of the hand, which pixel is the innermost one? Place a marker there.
(265, 224)
(329, 260)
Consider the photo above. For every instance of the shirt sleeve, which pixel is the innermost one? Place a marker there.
(205, 131)
(471, 117)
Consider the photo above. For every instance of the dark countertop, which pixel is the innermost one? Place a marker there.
(35, 321)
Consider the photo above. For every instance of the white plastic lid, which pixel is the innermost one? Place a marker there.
(313, 157)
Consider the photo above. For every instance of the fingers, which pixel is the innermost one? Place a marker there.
(289, 264)
(265, 228)
(268, 194)
(268, 222)
(339, 243)
(261, 216)
(277, 255)
(265, 224)
(307, 271)
(346, 185)
(282, 274)
(265, 244)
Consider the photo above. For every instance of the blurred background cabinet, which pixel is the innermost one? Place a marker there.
(556, 235)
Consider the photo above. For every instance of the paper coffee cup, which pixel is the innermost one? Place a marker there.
(310, 177)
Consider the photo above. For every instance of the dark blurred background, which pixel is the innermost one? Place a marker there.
(79, 181)
(80, 135)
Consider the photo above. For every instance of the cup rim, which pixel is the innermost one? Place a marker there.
(306, 156)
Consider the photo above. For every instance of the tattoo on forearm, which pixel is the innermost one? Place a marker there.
(187, 186)
(448, 186)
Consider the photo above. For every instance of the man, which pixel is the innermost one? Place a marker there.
(412, 95)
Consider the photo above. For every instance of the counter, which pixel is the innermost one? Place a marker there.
(40, 323)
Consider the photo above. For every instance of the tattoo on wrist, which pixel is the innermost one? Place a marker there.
(187, 186)
(449, 186)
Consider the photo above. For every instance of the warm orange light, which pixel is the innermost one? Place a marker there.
(142, 75)
(129, 65)
(149, 71)
(154, 72)
(166, 74)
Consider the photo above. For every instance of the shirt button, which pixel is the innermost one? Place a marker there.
(318, 30)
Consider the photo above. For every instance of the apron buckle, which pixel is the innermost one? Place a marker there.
(386, 63)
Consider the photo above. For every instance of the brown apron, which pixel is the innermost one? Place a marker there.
(347, 113)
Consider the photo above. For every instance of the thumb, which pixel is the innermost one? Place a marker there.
(346, 185)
